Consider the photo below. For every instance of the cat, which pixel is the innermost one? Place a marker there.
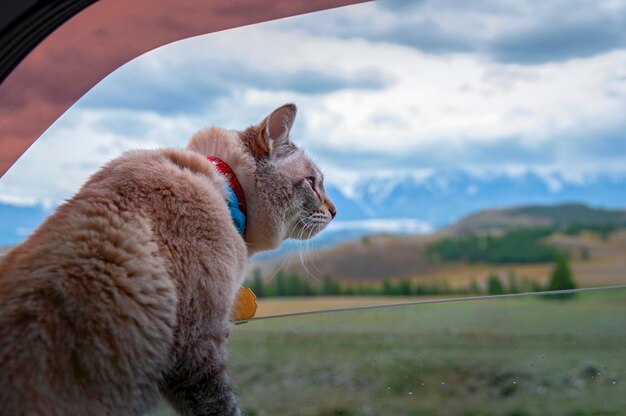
(124, 294)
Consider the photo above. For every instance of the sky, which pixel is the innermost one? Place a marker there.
(383, 88)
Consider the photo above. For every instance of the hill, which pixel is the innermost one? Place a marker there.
(597, 258)
(562, 216)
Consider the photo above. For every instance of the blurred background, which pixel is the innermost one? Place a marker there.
(467, 147)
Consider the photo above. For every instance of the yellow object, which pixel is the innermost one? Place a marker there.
(245, 305)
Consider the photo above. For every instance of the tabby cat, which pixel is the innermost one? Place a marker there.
(125, 293)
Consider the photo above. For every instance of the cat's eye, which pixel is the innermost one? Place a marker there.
(311, 181)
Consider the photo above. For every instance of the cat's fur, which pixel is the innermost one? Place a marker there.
(125, 293)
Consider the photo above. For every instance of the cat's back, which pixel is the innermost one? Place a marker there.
(88, 303)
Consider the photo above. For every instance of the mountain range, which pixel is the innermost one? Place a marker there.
(408, 204)
(444, 197)
(420, 205)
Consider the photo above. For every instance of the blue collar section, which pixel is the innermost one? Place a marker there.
(238, 216)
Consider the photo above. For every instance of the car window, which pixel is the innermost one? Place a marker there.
(474, 153)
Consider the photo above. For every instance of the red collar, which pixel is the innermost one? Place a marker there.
(232, 180)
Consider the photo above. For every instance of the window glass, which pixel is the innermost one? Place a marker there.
(470, 150)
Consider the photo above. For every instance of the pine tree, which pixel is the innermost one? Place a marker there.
(330, 287)
(281, 284)
(474, 288)
(257, 284)
(387, 287)
(404, 288)
(494, 286)
(294, 285)
(513, 286)
(561, 278)
(421, 290)
(306, 288)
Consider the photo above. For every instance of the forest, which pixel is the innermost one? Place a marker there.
(520, 246)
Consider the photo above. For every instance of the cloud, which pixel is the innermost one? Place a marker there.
(193, 82)
(56, 166)
(532, 32)
(405, 25)
(365, 106)
(464, 102)
(163, 92)
(396, 226)
(425, 35)
(557, 39)
(570, 153)
(317, 82)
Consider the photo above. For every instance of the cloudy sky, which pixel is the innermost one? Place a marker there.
(387, 87)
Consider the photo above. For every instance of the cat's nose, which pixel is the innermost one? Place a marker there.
(331, 209)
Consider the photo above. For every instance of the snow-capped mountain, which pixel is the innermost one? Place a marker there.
(410, 204)
(444, 197)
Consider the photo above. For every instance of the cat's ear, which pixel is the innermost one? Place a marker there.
(275, 130)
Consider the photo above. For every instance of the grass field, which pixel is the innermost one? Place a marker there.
(514, 357)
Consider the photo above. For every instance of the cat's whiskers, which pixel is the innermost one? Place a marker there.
(300, 221)
(299, 236)
(300, 248)
(287, 257)
(325, 221)
(290, 253)
(312, 254)
(307, 229)
(304, 240)
(310, 228)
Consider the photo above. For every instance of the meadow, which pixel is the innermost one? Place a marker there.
(514, 357)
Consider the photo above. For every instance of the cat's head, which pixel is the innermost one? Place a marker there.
(283, 187)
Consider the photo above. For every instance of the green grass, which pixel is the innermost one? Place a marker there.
(514, 357)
